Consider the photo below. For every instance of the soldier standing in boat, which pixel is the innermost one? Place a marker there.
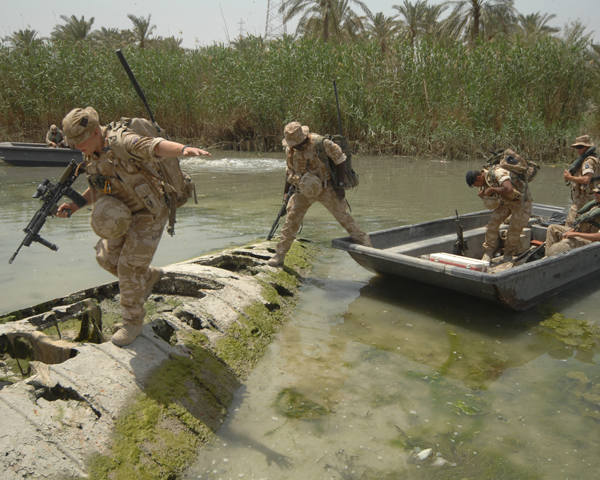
(55, 138)
(129, 210)
(507, 193)
(581, 176)
(585, 230)
(313, 183)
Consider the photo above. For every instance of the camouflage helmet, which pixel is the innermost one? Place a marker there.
(310, 185)
(79, 124)
(110, 217)
(563, 246)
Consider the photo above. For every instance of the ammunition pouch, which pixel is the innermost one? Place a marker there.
(98, 182)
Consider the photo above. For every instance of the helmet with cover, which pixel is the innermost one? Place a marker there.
(110, 217)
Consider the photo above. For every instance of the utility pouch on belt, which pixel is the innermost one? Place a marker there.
(149, 198)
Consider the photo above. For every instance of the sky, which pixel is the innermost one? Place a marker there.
(204, 22)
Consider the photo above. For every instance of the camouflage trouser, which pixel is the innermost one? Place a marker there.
(555, 243)
(299, 205)
(577, 205)
(128, 258)
(519, 216)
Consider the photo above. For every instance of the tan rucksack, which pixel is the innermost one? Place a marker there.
(351, 179)
(513, 162)
(177, 185)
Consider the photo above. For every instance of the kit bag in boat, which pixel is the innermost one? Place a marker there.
(351, 179)
(177, 185)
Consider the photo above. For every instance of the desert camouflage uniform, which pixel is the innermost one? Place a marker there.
(128, 257)
(56, 137)
(300, 162)
(581, 194)
(556, 244)
(517, 205)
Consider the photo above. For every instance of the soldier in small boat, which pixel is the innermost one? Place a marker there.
(55, 138)
(582, 176)
(507, 193)
(313, 183)
(585, 229)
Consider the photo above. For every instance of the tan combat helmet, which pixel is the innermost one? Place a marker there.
(79, 124)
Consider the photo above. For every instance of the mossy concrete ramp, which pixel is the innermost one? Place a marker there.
(74, 405)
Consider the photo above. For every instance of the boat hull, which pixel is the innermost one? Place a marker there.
(396, 252)
(37, 155)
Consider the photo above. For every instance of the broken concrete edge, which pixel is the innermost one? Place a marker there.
(180, 404)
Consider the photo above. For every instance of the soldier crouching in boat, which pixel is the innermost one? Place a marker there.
(507, 193)
(313, 183)
(55, 138)
(585, 229)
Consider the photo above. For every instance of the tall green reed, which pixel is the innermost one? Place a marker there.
(436, 98)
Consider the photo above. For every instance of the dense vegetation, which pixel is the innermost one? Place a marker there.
(414, 92)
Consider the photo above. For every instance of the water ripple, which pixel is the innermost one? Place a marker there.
(233, 164)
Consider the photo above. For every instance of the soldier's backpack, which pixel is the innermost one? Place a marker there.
(177, 185)
(351, 179)
(513, 162)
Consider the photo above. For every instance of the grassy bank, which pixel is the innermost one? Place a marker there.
(438, 98)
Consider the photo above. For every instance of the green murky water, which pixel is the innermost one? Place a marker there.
(370, 373)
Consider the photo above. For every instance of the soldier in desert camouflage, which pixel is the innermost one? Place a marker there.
(582, 176)
(313, 183)
(129, 211)
(562, 238)
(508, 195)
(55, 138)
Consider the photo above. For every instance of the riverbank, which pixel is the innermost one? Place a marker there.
(88, 408)
(429, 99)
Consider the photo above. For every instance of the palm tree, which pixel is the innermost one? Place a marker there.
(24, 39)
(472, 18)
(110, 37)
(431, 19)
(534, 25)
(414, 15)
(141, 29)
(382, 29)
(169, 44)
(325, 14)
(74, 30)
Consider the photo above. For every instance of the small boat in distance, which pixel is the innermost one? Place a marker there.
(37, 155)
(409, 252)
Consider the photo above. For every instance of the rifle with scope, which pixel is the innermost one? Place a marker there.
(50, 194)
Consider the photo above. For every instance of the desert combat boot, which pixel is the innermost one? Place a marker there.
(127, 333)
(276, 261)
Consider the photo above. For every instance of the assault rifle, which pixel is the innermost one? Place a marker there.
(460, 246)
(282, 212)
(531, 254)
(50, 194)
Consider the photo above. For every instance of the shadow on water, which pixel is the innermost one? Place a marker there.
(454, 308)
